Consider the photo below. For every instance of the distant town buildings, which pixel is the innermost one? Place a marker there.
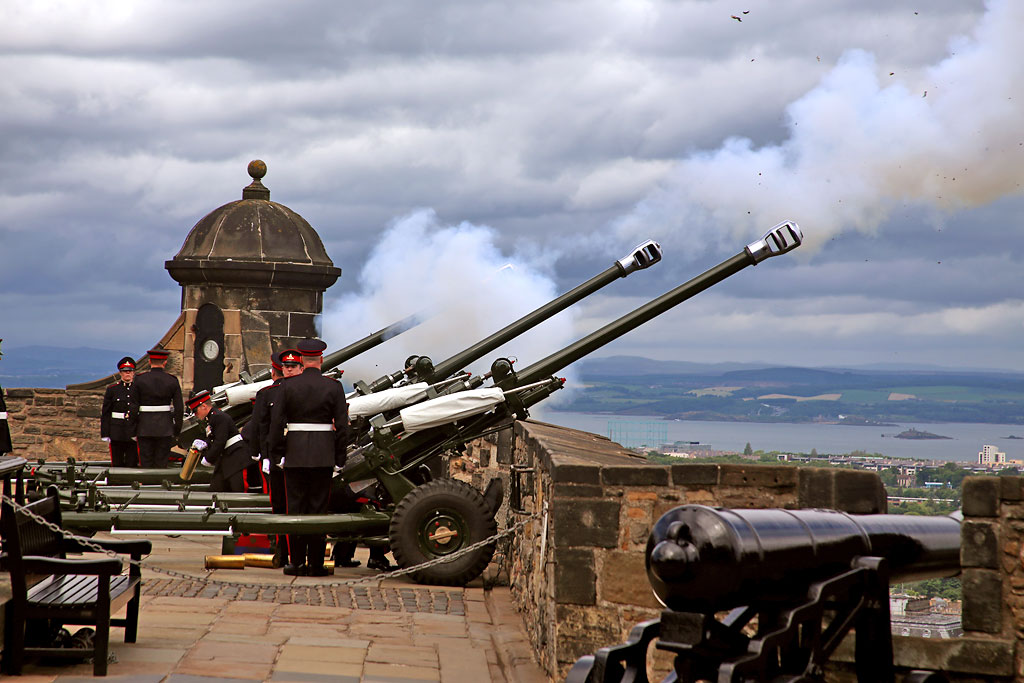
(989, 455)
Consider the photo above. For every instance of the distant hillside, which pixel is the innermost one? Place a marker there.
(55, 367)
(679, 390)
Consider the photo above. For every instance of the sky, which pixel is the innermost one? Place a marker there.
(468, 161)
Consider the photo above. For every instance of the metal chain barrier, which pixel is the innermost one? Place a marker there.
(239, 584)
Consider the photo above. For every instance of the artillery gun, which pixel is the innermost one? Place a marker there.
(441, 517)
(803, 577)
(233, 398)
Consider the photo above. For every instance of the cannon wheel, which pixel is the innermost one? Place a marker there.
(440, 518)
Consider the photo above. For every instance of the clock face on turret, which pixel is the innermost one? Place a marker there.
(210, 350)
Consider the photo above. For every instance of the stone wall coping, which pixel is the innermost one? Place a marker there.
(964, 655)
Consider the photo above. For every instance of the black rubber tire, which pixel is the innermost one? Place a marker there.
(440, 504)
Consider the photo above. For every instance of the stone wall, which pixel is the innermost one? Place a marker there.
(577, 567)
(55, 424)
(577, 571)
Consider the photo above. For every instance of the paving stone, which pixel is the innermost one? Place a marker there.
(217, 649)
(224, 668)
(410, 655)
(349, 655)
(187, 678)
(134, 678)
(298, 677)
(322, 668)
(376, 671)
(459, 663)
(156, 636)
(135, 653)
(329, 642)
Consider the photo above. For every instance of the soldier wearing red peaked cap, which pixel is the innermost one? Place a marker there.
(314, 411)
(224, 448)
(161, 410)
(119, 416)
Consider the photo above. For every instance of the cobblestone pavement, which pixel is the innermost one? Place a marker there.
(386, 598)
(277, 628)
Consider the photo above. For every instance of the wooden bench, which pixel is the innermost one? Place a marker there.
(48, 585)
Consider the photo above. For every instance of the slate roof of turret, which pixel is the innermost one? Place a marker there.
(254, 241)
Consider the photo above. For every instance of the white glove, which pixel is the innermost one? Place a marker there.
(281, 464)
(105, 439)
(266, 467)
(199, 445)
(135, 438)
(205, 463)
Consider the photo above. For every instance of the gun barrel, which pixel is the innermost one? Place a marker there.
(780, 239)
(240, 410)
(642, 256)
(709, 559)
(336, 358)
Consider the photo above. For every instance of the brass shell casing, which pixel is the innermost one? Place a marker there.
(225, 561)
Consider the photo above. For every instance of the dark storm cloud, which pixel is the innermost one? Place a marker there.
(123, 124)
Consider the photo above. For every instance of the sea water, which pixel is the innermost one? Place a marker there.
(966, 439)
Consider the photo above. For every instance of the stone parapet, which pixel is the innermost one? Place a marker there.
(577, 568)
(55, 424)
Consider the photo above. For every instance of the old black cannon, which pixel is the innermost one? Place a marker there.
(794, 583)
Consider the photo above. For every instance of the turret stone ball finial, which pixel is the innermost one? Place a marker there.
(257, 169)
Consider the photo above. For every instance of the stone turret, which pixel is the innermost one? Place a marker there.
(252, 274)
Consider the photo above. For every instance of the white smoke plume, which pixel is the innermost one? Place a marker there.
(861, 143)
(456, 281)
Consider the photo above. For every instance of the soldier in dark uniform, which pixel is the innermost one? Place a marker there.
(5, 430)
(257, 432)
(225, 450)
(314, 411)
(160, 410)
(119, 416)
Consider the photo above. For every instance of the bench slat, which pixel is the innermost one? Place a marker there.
(75, 589)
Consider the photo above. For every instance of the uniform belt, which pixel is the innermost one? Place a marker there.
(156, 409)
(119, 416)
(3, 415)
(310, 426)
(233, 440)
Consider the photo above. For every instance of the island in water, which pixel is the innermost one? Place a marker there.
(918, 434)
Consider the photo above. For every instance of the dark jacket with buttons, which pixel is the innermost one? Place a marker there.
(159, 388)
(220, 428)
(121, 398)
(309, 398)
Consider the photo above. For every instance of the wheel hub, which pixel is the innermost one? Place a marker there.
(442, 533)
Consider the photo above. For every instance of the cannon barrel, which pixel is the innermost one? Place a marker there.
(422, 368)
(642, 256)
(782, 238)
(191, 429)
(703, 559)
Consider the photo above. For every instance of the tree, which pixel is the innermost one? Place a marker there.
(747, 450)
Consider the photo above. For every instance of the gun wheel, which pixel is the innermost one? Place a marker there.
(438, 519)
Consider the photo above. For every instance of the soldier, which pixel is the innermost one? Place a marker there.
(257, 430)
(314, 411)
(160, 410)
(119, 416)
(5, 430)
(225, 450)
